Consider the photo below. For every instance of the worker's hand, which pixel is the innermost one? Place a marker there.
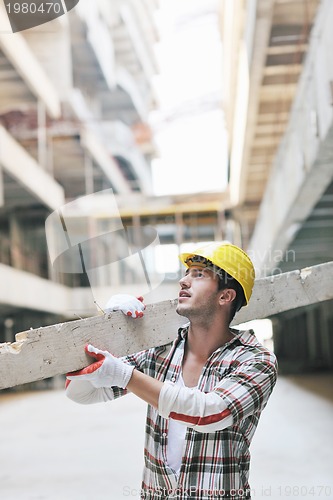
(128, 304)
(107, 371)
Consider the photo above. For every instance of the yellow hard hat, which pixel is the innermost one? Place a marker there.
(228, 257)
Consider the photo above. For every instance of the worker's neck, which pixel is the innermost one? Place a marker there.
(204, 339)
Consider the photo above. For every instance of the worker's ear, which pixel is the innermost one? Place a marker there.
(227, 296)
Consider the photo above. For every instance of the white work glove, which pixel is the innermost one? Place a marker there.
(127, 304)
(107, 371)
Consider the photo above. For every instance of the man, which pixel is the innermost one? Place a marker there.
(205, 391)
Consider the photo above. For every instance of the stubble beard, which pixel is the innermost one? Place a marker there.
(182, 312)
(202, 313)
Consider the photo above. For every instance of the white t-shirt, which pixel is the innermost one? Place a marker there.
(176, 439)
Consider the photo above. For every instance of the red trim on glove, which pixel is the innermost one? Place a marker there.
(90, 368)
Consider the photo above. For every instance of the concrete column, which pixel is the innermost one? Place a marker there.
(88, 174)
(16, 245)
(114, 277)
(179, 235)
(219, 225)
(2, 193)
(312, 335)
(42, 135)
(50, 156)
(139, 244)
(8, 329)
(325, 332)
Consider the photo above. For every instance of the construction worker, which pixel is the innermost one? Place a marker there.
(205, 391)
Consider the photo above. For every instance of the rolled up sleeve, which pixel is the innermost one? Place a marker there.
(203, 412)
(244, 392)
(247, 389)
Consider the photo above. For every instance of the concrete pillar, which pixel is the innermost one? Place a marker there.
(312, 335)
(324, 332)
(42, 135)
(8, 330)
(16, 242)
(2, 193)
(50, 156)
(138, 241)
(219, 225)
(179, 235)
(88, 174)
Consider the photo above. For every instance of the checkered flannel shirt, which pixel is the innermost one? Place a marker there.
(221, 416)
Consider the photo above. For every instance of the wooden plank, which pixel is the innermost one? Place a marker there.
(52, 350)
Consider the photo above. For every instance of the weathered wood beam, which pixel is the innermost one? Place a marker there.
(283, 69)
(57, 349)
(287, 49)
(280, 92)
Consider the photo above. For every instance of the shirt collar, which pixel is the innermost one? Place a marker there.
(246, 337)
(183, 330)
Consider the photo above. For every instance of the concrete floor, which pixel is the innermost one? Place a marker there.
(54, 449)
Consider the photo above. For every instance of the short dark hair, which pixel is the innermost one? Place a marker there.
(227, 281)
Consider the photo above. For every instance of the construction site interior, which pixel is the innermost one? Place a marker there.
(80, 220)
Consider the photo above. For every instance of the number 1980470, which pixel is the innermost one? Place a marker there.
(33, 8)
(305, 491)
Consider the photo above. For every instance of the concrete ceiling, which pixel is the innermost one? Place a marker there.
(65, 151)
(14, 91)
(313, 243)
(288, 29)
(310, 236)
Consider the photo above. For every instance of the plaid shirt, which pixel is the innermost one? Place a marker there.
(221, 416)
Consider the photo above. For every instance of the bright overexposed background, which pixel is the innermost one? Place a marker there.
(189, 124)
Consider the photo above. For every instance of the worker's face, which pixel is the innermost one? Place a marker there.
(198, 293)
